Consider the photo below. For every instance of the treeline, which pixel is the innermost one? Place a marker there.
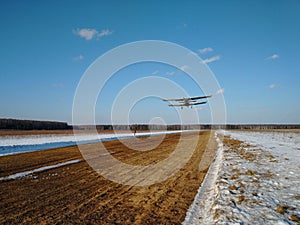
(143, 127)
(13, 124)
(192, 127)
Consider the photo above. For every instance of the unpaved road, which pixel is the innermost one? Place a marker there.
(76, 194)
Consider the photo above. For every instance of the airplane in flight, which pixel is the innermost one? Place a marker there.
(186, 101)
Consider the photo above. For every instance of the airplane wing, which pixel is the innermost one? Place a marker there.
(183, 99)
(200, 97)
(198, 103)
(176, 105)
(172, 99)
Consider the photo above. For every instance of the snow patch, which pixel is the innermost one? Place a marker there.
(27, 143)
(26, 173)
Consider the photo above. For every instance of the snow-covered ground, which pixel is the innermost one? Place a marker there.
(199, 211)
(26, 143)
(258, 182)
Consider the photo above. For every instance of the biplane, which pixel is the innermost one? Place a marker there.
(188, 102)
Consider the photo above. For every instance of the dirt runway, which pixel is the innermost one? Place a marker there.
(76, 194)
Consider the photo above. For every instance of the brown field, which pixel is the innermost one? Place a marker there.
(76, 194)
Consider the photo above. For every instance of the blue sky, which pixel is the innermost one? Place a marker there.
(252, 47)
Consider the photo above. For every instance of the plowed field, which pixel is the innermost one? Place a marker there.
(76, 194)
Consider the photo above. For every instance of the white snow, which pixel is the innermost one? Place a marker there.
(198, 212)
(12, 140)
(13, 144)
(256, 188)
(29, 172)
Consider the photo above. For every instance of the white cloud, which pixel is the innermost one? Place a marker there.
(78, 58)
(272, 86)
(104, 33)
(170, 73)
(86, 33)
(272, 57)
(89, 34)
(184, 68)
(212, 59)
(220, 91)
(205, 50)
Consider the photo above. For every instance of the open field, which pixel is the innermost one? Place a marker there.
(75, 193)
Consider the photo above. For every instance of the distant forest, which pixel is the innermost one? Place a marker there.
(13, 124)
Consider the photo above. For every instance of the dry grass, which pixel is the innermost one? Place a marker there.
(295, 218)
